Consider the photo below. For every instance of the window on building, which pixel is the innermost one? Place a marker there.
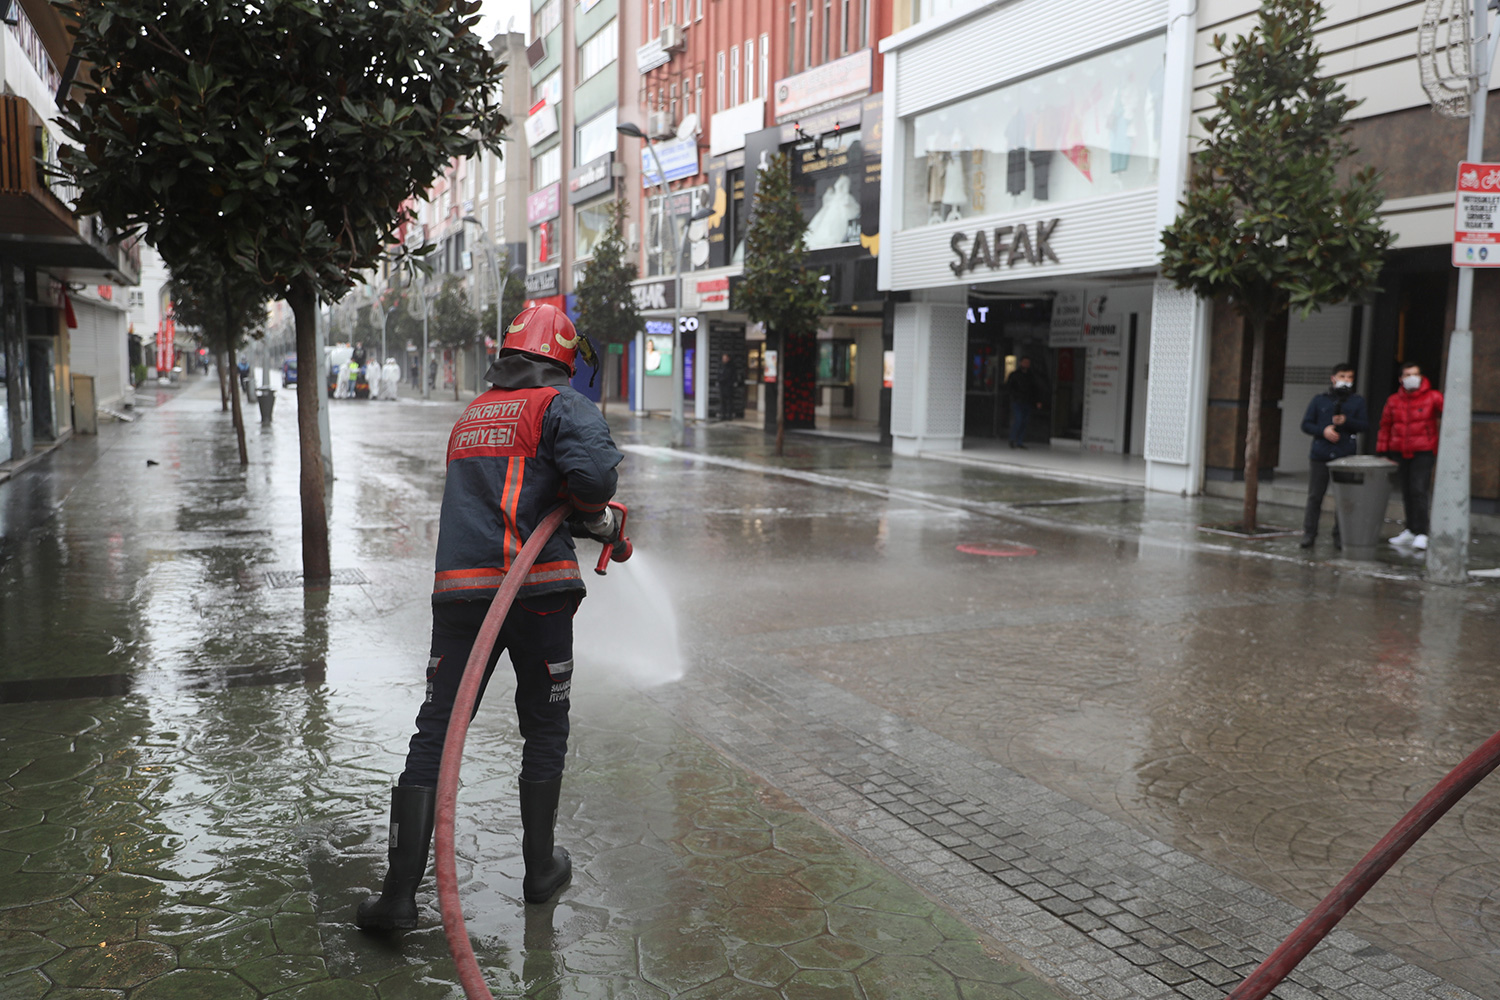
(749, 70)
(827, 27)
(734, 75)
(661, 233)
(590, 220)
(698, 93)
(549, 89)
(544, 244)
(672, 103)
(719, 97)
(864, 23)
(650, 21)
(791, 40)
(595, 137)
(812, 22)
(546, 168)
(700, 10)
(765, 65)
(547, 18)
(599, 51)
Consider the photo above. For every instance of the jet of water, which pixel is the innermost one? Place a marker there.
(628, 625)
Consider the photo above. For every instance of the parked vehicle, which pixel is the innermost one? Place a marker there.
(289, 370)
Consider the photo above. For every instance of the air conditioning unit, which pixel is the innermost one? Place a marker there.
(659, 125)
(673, 38)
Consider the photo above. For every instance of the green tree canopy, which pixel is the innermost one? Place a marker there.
(779, 290)
(1269, 223)
(286, 134)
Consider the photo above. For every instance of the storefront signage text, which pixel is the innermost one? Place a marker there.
(595, 177)
(1011, 244)
(823, 85)
(655, 295)
(543, 205)
(541, 123)
(541, 284)
(713, 293)
(678, 159)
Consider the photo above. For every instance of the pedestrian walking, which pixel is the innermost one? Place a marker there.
(729, 382)
(1409, 435)
(390, 378)
(372, 379)
(1025, 396)
(519, 449)
(341, 382)
(1334, 419)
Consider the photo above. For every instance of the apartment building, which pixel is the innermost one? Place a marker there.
(63, 327)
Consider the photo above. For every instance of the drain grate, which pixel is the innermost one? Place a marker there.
(293, 578)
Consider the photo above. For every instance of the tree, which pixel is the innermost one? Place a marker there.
(227, 306)
(1267, 222)
(453, 322)
(607, 312)
(286, 133)
(780, 291)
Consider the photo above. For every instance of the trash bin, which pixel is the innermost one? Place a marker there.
(1361, 489)
(267, 400)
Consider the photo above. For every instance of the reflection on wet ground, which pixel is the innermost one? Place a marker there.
(194, 759)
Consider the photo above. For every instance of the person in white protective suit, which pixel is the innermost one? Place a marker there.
(341, 387)
(390, 377)
(372, 378)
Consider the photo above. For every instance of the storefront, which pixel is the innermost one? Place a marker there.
(1021, 202)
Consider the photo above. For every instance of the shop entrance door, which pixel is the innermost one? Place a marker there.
(1001, 332)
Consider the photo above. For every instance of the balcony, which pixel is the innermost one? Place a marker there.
(36, 220)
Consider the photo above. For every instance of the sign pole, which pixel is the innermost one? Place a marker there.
(1448, 542)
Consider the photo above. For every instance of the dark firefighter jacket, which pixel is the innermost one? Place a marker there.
(518, 450)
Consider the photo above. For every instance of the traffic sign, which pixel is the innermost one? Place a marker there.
(1476, 216)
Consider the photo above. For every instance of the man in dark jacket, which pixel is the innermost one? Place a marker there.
(1025, 395)
(729, 383)
(1333, 419)
(1409, 434)
(519, 450)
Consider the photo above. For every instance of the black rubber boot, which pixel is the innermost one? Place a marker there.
(395, 909)
(548, 867)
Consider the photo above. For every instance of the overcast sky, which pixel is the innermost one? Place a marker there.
(497, 13)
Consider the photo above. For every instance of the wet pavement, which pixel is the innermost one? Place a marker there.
(1113, 757)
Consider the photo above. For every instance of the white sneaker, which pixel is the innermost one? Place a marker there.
(1419, 543)
(1405, 538)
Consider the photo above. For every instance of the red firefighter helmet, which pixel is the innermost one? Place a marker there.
(544, 331)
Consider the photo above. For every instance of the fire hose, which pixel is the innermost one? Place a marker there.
(1326, 915)
(458, 728)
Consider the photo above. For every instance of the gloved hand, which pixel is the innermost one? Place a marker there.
(603, 527)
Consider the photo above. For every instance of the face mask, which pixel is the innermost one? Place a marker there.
(1412, 382)
(1343, 388)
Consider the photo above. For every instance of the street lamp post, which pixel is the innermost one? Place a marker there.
(634, 131)
(501, 279)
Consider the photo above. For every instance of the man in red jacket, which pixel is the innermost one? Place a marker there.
(1409, 434)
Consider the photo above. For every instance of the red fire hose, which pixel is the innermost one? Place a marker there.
(1280, 963)
(458, 728)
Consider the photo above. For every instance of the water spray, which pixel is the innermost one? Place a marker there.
(454, 927)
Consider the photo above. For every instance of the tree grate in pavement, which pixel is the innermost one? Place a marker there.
(1102, 909)
(278, 578)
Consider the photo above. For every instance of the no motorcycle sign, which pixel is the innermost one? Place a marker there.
(1476, 216)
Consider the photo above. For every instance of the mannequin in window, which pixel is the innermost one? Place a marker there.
(955, 186)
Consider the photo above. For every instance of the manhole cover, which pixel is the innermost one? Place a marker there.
(998, 551)
(293, 578)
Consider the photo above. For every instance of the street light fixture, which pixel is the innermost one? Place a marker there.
(634, 131)
(501, 279)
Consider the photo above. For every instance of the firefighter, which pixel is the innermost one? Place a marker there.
(518, 450)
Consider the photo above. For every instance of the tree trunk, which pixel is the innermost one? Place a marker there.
(316, 568)
(239, 411)
(1252, 428)
(222, 365)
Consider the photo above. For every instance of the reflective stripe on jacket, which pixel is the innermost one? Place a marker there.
(519, 449)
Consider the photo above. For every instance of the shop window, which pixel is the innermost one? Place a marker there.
(665, 234)
(549, 90)
(1085, 130)
(547, 19)
(835, 362)
(590, 222)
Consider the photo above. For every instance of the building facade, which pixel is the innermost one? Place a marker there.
(1021, 202)
(62, 324)
(726, 86)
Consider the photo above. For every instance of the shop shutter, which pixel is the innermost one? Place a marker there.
(99, 349)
